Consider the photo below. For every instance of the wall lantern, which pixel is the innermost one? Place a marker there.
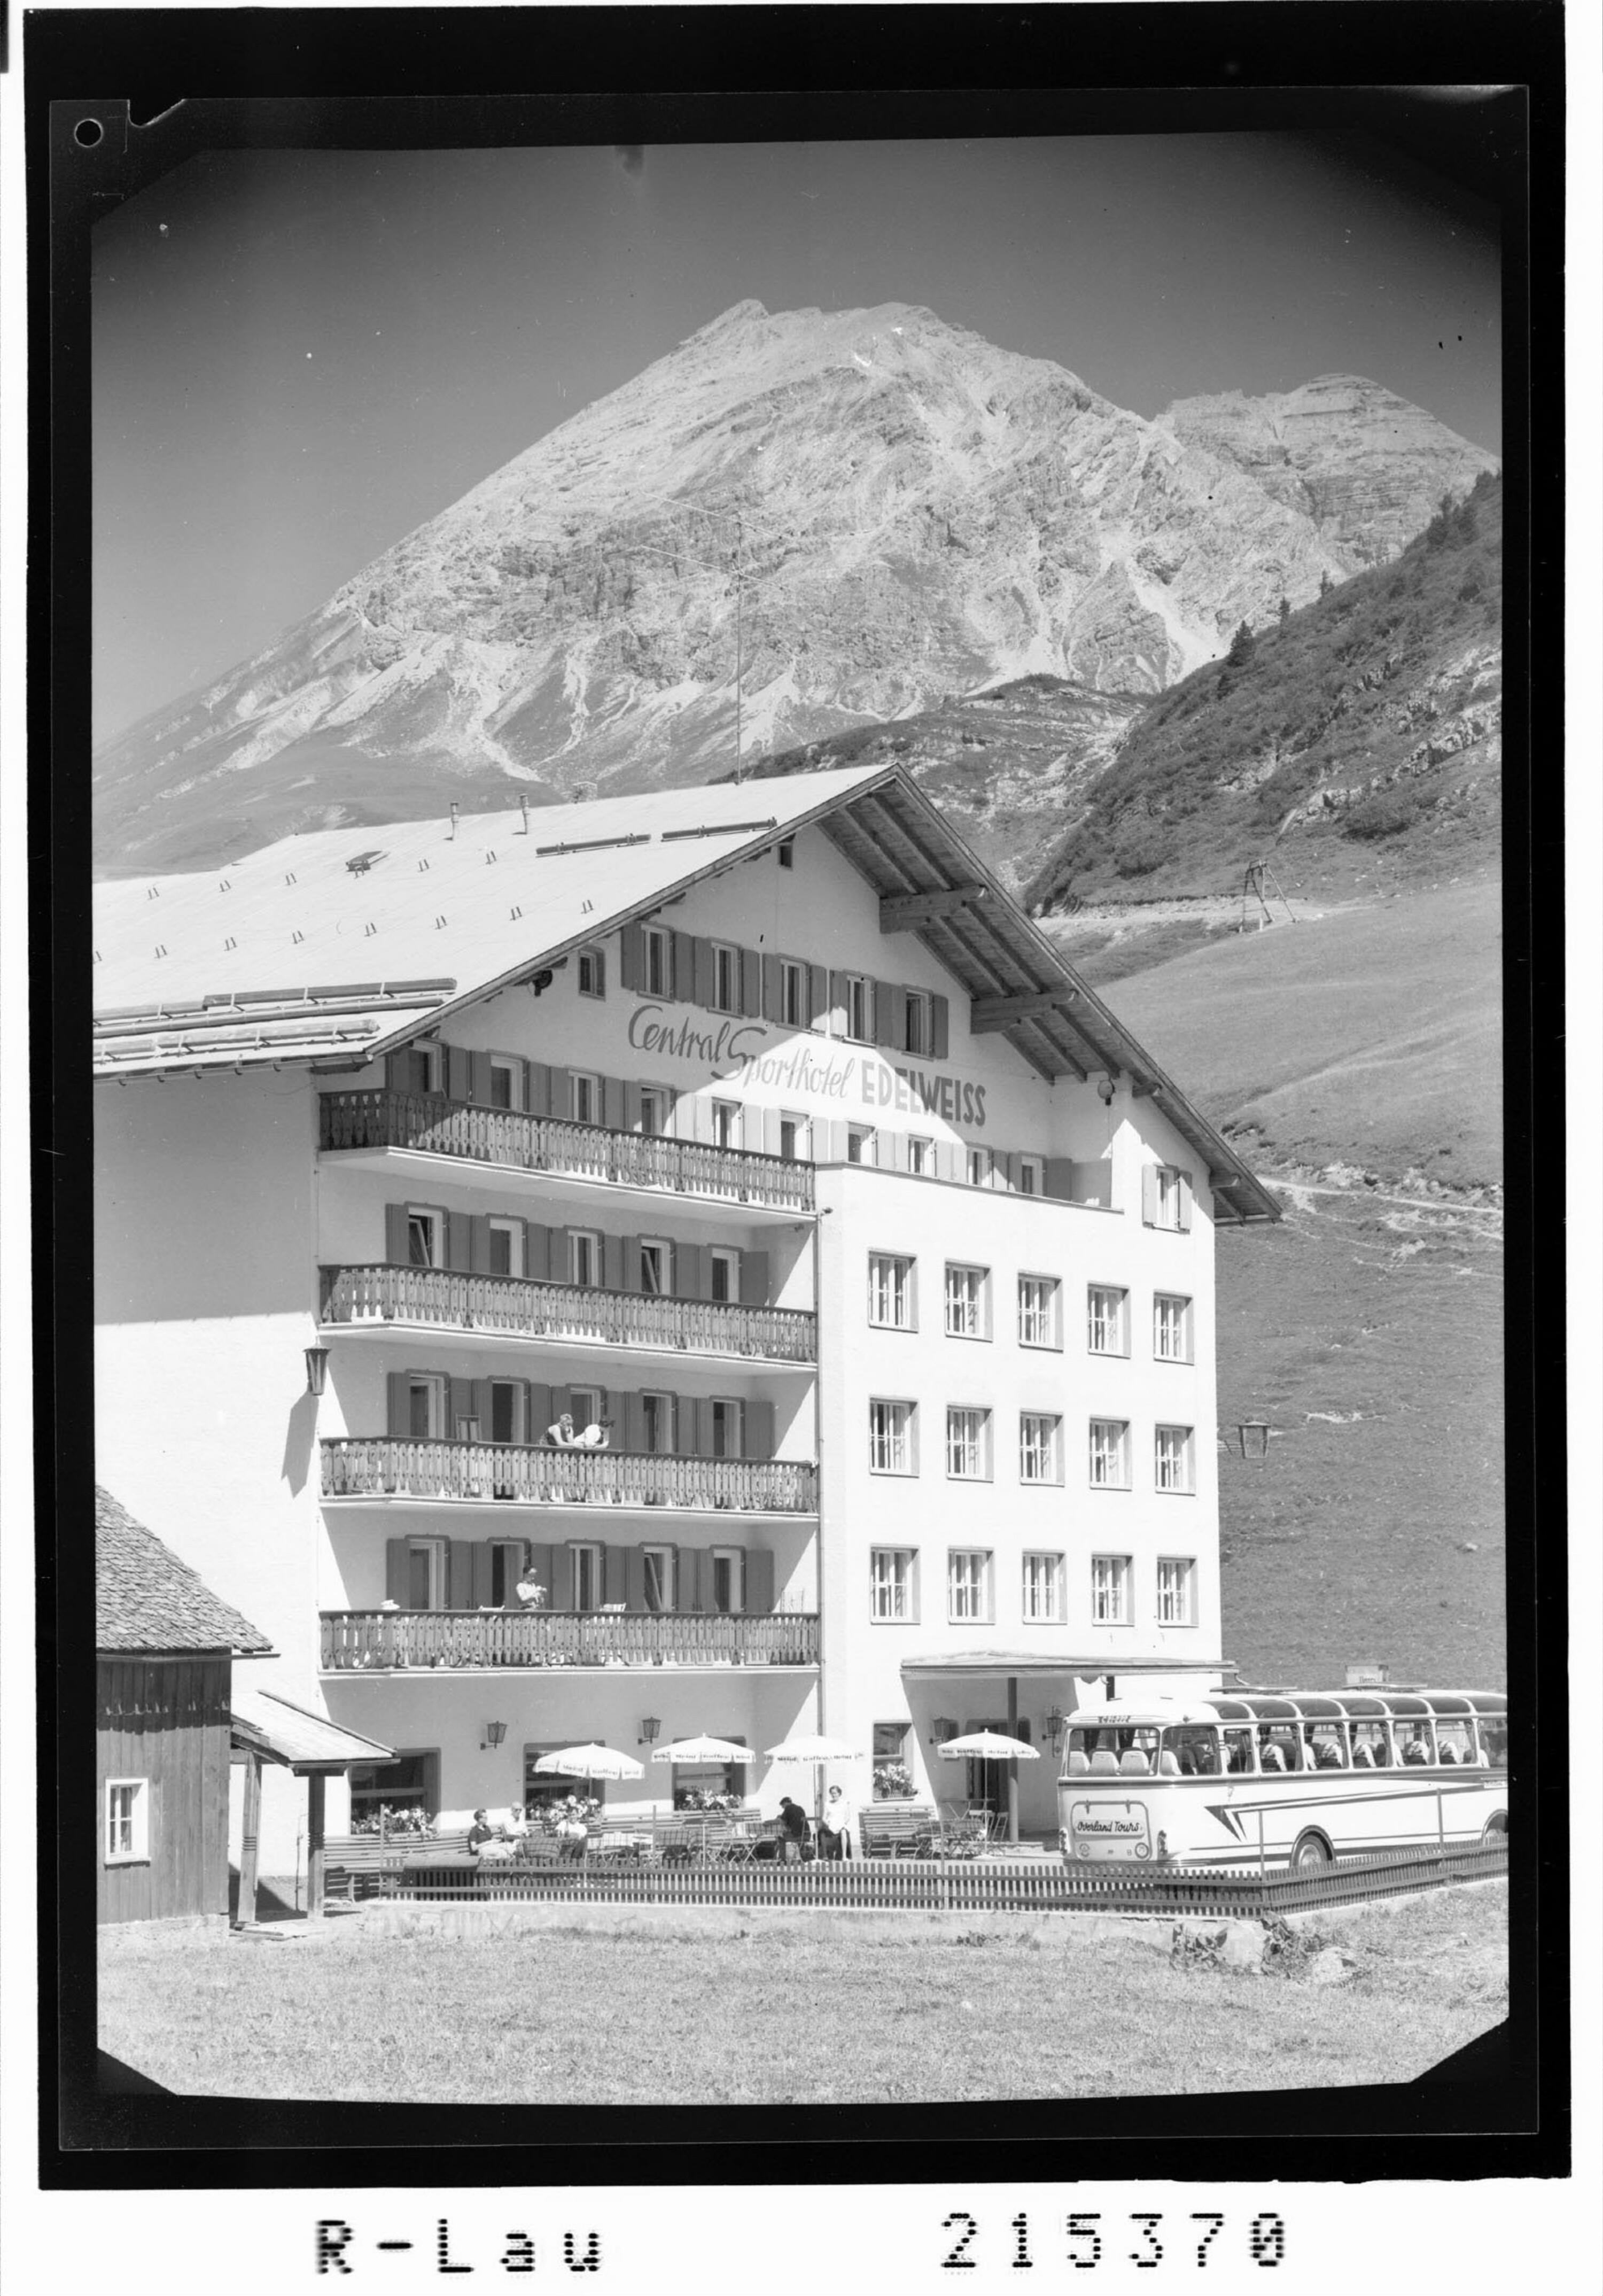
(317, 1370)
(1054, 1723)
(648, 1729)
(493, 1732)
(1254, 1437)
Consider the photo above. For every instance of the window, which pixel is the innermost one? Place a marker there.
(919, 1034)
(859, 1144)
(658, 1566)
(423, 1068)
(425, 1406)
(1038, 1302)
(410, 1782)
(729, 1579)
(786, 853)
(425, 1574)
(793, 1138)
(1171, 1328)
(859, 1008)
(793, 994)
(654, 1104)
(593, 972)
(726, 977)
(656, 1267)
(657, 1422)
(723, 1272)
(1111, 1590)
(920, 1156)
(726, 1426)
(425, 1237)
(1171, 1459)
(587, 1574)
(1110, 1455)
(506, 1568)
(893, 1583)
(506, 1081)
(726, 1123)
(968, 1442)
(1041, 1590)
(1040, 1459)
(979, 1168)
(1105, 1309)
(506, 1247)
(1176, 1574)
(586, 1098)
(890, 1438)
(892, 1770)
(127, 1821)
(1029, 1175)
(967, 1584)
(584, 1257)
(965, 1302)
(507, 1410)
(659, 964)
(1166, 1197)
(890, 1291)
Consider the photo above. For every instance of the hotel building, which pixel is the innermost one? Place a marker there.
(756, 1126)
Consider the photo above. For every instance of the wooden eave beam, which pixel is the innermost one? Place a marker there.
(987, 1014)
(906, 912)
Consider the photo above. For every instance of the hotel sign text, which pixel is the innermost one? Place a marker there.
(732, 1052)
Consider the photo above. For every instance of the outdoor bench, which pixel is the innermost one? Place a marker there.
(349, 1860)
(896, 1834)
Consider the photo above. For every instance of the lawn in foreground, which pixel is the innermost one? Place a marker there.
(564, 2017)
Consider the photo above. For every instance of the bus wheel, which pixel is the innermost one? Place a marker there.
(1312, 1849)
(1496, 1828)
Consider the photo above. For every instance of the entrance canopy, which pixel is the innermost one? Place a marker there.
(275, 1730)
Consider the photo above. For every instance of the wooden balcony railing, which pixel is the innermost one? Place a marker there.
(565, 1311)
(383, 1466)
(354, 1639)
(551, 1143)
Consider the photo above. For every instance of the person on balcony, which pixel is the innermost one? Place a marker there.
(530, 1592)
(561, 1434)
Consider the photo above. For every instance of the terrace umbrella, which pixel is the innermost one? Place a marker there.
(590, 1763)
(990, 1746)
(704, 1750)
(816, 1752)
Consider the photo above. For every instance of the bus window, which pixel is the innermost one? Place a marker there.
(1238, 1751)
(1327, 1746)
(1417, 1747)
(1195, 1748)
(1455, 1742)
(1371, 1746)
(1279, 1746)
(1494, 1737)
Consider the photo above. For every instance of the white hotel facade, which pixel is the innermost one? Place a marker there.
(756, 1122)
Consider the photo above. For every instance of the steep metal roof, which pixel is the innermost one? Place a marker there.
(146, 1599)
(392, 929)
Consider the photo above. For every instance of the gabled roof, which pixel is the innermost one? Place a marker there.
(439, 913)
(268, 1724)
(146, 1599)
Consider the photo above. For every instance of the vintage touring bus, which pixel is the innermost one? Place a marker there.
(1253, 1778)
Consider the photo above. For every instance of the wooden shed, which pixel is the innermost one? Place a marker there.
(165, 1647)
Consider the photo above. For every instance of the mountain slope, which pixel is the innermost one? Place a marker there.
(913, 514)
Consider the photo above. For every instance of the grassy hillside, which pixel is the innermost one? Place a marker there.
(1370, 718)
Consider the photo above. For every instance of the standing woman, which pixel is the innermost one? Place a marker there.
(835, 1827)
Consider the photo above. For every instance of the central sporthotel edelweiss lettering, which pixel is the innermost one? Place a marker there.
(729, 1055)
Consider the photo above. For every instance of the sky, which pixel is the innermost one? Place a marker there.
(299, 356)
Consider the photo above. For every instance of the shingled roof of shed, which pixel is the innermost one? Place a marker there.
(146, 1599)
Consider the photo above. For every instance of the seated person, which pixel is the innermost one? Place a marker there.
(480, 1832)
(1327, 1755)
(1416, 1752)
(560, 1433)
(1270, 1756)
(596, 1437)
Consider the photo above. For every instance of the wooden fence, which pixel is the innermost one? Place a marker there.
(354, 1640)
(941, 1885)
(552, 1143)
(531, 1309)
(380, 1466)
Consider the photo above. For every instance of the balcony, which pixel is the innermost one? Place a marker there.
(507, 1139)
(418, 1467)
(355, 1641)
(509, 1307)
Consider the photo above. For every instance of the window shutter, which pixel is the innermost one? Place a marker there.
(558, 1255)
(631, 1106)
(536, 1252)
(633, 1421)
(631, 1274)
(758, 1592)
(1187, 1339)
(1149, 1195)
(682, 1423)
(395, 1574)
(701, 1111)
(754, 1279)
(771, 1130)
(458, 1074)
(478, 1243)
(690, 1271)
(613, 1277)
(631, 957)
(1060, 1178)
(818, 997)
(890, 1014)
(751, 983)
(459, 1595)
(537, 1093)
(939, 1028)
(1185, 1202)
(394, 1235)
(893, 1151)
(757, 1430)
(701, 1565)
(398, 1071)
(634, 1578)
(682, 951)
(558, 1090)
(561, 1400)
(773, 989)
(560, 1597)
(951, 1159)
(670, 1110)
(1092, 1182)
(399, 1387)
(704, 972)
(459, 1403)
(703, 1407)
(614, 1575)
(483, 1575)
(479, 1406)
(479, 1077)
(540, 1413)
(613, 1115)
(459, 1241)
(837, 1011)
